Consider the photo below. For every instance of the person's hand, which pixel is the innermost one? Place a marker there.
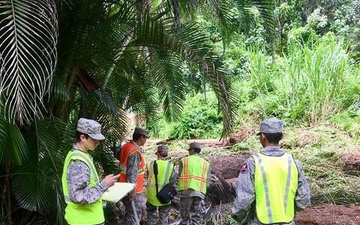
(131, 196)
(111, 179)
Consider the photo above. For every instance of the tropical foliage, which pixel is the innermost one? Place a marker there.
(61, 60)
(65, 59)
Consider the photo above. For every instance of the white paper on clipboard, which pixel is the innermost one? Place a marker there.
(117, 191)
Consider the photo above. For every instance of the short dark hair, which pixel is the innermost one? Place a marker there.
(163, 154)
(78, 134)
(197, 150)
(273, 138)
(137, 136)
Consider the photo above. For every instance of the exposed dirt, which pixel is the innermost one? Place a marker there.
(326, 214)
(228, 167)
(329, 215)
(241, 135)
(351, 163)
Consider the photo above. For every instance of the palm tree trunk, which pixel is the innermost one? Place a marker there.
(176, 11)
(6, 195)
(61, 109)
(143, 7)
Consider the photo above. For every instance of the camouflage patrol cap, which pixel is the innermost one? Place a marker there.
(271, 126)
(142, 131)
(91, 128)
(163, 149)
(194, 145)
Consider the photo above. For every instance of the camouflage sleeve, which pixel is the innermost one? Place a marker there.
(208, 180)
(180, 168)
(173, 176)
(133, 167)
(78, 178)
(245, 193)
(302, 198)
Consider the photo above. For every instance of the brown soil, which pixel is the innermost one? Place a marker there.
(351, 163)
(329, 215)
(228, 167)
(241, 135)
(326, 214)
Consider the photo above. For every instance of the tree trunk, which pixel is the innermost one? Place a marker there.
(176, 11)
(61, 108)
(5, 195)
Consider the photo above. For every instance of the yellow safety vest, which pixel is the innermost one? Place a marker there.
(81, 214)
(276, 183)
(194, 173)
(165, 169)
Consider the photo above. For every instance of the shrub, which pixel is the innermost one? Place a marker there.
(200, 118)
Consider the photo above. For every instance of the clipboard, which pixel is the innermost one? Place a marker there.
(116, 192)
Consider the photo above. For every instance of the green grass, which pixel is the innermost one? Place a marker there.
(319, 149)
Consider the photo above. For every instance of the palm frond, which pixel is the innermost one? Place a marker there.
(101, 106)
(266, 9)
(131, 85)
(13, 148)
(190, 44)
(36, 185)
(28, 38)
(59, 91)
(171, 85)
(224, 15)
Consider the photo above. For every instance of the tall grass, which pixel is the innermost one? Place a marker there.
(309, 84)
(313, 79)
(261, 78)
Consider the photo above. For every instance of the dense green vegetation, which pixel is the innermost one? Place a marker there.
(311, 76)
(192, 69)
(65, 59)
(311, 81)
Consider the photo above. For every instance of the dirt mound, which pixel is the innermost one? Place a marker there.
(351, 163)
(329, 214)
(306, 138)
(229, 166)
(241, 135)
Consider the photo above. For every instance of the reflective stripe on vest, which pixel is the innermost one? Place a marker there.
(165, 169)
(82, 213)
(276, 182)
(194, 173)
(128, 149)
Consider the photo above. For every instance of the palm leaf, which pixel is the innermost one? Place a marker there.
(266, 9)
(28, 38)
(188, 43)
(171, 85)
(192, 44)
(101, 107)
(13, 148)
(36, 185)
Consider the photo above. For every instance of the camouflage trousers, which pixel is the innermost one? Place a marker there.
(191, 210)
(129, 212)
(163, 214)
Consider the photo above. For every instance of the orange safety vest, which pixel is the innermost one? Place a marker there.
(127, 150)
(194, 174)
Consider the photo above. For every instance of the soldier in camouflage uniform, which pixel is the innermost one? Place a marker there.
(80, 181)
(132, 170)
(271, 185)
(164, 176)
(195, 176)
